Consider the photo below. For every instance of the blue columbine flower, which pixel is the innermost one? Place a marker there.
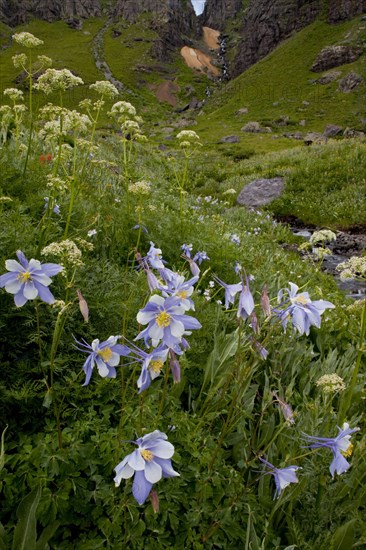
(154, 257)
(230, 291)
(106, 355)
(246, 301)
(340, 445)
(187, 249)
(200, 256)
(182, 289)
(303, 312)
(282, 476)
(152, 363)
(166, 322)
(149, 462)
(27, 280)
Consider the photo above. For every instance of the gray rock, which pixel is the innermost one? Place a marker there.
(334, 56)
(329, 77)
(349, 82)
(242, 111)
(351, 133)
(332, 130)
(260, 192)
(253, 127)
(302, 123)
(314, 137)
(230, 139)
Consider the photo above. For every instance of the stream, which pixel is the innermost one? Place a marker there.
(346, 245)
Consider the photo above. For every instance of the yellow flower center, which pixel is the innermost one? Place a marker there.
(348, 452)
(146, 455)
(163, 319)
(156, 366)
(24, 277)
(182, 294)
(105, 354)
(300, 300)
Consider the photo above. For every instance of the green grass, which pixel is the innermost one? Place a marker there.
(278, 85)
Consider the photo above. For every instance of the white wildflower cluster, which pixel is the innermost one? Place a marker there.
(357, 306)
(43, 61)
(19, 60)
(27, 40)
(84, 245)
(130, 126)
(14, 94)
(104, 88)
(320, 253)
(86, 145)
(66, 152)
(122, 109)
(140, 188)
(6, 118)
(188, 135)
(75, 121)
(66, 250)
(57, 80)
(354, 268)
(230, 191)
(331, 383)
(56, 183)
(62, 121)
(103, 163)
(322, 236)
(188, 138)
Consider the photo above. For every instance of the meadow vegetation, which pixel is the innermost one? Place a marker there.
(248, 354)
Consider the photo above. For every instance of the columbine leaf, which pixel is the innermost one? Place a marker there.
(25, 533)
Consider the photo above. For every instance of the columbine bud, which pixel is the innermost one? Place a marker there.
(83, 306)
(175, 367)
(154, 501)
(265, 302)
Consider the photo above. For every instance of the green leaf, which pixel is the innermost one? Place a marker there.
(25, 534)
(46, 535)
(344, 536)
(2, 450)
(225, 347)
(2, 537)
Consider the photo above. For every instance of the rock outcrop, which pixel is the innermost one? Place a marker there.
(341, 10)
(217, 12)
(335, 56)
(17, 12)
(171, 19)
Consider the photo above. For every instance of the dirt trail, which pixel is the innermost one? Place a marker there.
(198, 60)
(211, 37)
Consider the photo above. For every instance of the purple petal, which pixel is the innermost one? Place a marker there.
(51, 269)
(339, 464)
(22, 259)
(20, 299)
(44, 293)
(7, 278)
(153, 471)
(141, 487)
(88, 368)
(166, 466)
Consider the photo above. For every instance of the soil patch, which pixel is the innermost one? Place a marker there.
(211, 38)
(165, 92)
(198, 60)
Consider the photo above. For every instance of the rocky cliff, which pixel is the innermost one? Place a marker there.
(266, 23)
(17, 12)
(217, 12)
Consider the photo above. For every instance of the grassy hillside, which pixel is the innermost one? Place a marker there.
(281, 86)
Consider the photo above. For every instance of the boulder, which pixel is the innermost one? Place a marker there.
(260, 192)
(230, 139)
(349, 82)
(329, 77)
(314, 137)
(351, 133)
(332, 130)
(334, 56)
(242, 111)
